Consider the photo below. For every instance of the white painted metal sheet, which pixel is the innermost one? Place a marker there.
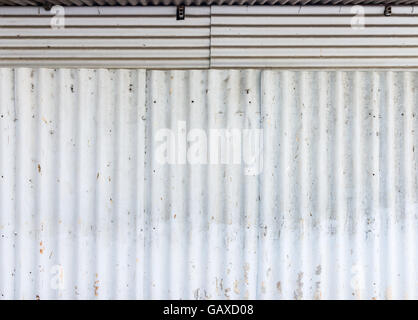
(104, 37)
(210, 37)
(203, 2)
(89, 211)
(313, 37)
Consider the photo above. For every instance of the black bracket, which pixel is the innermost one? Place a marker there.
(47, 6)
(388, 11)
(181, 12)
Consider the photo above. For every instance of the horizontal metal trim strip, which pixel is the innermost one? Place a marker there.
(317, 22)
(115, 32)
(311, 36)
(103, 16)
(136, 48)
(313, 57)
(338, 62)
(171, 54)
(297, 53)
(104, 43)
(346, 46)
(105, 58)
(309, 9)
(107, 10)
(304, 16)
(117, 63)
(105, 22)
(278, 66)
(113, 27)
(348, 26)
(312, 41)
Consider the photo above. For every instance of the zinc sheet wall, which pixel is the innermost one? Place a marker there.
(210, 37)
(313, 37)
(202, 2)
(105, 37)
(87, 211)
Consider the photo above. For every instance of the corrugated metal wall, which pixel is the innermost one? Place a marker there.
(105, 37)
(216, 37)
(292, 37)
(87, 211)
(201, 2)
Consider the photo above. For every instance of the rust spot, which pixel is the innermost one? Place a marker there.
(175, 216)
(227, 290)
(39, 168)
(236, 287)
(37, 297)
(279, 287)
(96, 286)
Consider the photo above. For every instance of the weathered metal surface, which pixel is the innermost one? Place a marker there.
(312, 37)
(88, 211)
(201, 2)
(105, 37)
(210, 37)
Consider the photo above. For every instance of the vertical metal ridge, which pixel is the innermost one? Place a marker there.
(375, 186)
(339, 173)
(390, 185)
(307, 180)
(7, 182)
(253, 119)
(268, 96)
(88, 176)
(324, 123)
(197, 119)
(409, 81)
(215, 205)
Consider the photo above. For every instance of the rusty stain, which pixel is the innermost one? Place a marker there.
(263, 287)
(96, 286)
(39, 168)
(279, 287)
(246, 269)
(236, 289)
